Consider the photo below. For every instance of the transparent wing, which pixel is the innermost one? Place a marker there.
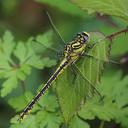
(50, 44)
(46, 46)
(93, 88)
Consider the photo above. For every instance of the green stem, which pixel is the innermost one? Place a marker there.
(64, 126)
(23, 86)
(102, 124)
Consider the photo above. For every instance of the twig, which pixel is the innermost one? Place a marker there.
(110, 37)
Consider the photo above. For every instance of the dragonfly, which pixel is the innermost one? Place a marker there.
(72, 52)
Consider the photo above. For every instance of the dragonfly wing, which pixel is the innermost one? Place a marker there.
(92, 68)
(45, 46)
(92, 89)
(70, 92)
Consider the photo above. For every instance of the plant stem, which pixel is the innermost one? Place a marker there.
(102, 124)
(111, 36)
(23, 86)
(117, 33)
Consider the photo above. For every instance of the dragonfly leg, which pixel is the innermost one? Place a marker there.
(91, 56)
(60, 54)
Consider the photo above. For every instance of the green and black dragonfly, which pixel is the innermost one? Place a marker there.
(72, 52)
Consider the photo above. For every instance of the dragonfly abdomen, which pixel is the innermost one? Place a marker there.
(59, 70)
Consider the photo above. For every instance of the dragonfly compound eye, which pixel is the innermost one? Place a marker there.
(85, 36)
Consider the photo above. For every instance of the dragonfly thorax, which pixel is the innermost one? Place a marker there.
(76, 48)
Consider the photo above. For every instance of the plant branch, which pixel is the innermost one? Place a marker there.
(110, 37)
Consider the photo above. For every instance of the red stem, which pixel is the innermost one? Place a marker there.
(110, 37)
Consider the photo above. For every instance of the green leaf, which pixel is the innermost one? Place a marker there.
(8, 44)
(72, 89)
(49, 102)
(28, 123)
(119, 95)
(117, 8)
(41, 120)
(19, 102)
(6, 47)
(23, 72)
(113, 105)
(70, 8)
(40, 63)
(44, 46)
(49, 120)
(46, 40)
(27, 56)
(25, 59)
(46, 114)
(21, 52)
(94, 109)
(77, 123)
(9, 85)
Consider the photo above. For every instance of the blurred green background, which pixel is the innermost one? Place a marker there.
(26, 18)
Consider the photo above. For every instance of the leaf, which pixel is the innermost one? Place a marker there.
(46, 114)
(41, 120)
(25, 52)
(6, 47)
(49, 120)
(23, 71)
(8, 44)
(117, 8)
(21, 52)
(44, 46)
(46, 40)
(95, 109)
(40, 63)
(72, 89)
(77, 123)
(49, 102)
(28, 123)
(9, 85)
(119, 95)
(28, 59)
(112, 107)
(19, 102)
(70, 8)
(24, 59)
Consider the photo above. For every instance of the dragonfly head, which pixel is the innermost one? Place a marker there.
(82, 37)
